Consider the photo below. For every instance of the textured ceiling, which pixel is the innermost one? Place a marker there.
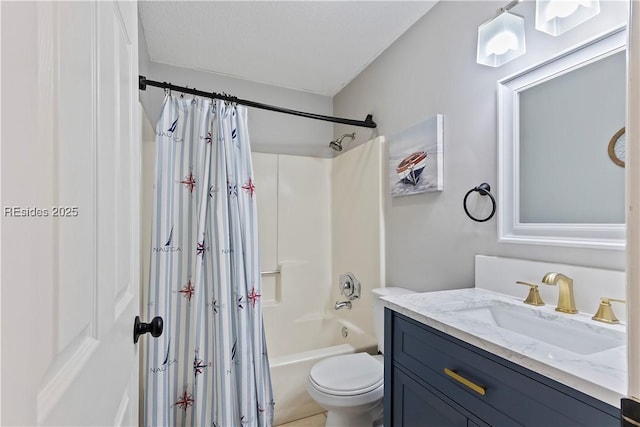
(311, 46)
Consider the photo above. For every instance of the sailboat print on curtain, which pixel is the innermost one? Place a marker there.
(210, 367)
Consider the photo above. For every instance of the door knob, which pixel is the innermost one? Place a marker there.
(141, 328)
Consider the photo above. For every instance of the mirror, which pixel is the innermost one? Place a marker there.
(558, 183)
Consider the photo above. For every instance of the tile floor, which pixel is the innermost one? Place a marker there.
(317, 420)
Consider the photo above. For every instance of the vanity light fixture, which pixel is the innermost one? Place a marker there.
(558, 16)
(501, 39)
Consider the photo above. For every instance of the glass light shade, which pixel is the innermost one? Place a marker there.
(501, 40)
(558, 16)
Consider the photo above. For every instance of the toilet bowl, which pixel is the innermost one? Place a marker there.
(350, 386)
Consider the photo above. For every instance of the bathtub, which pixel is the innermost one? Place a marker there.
(293, 353)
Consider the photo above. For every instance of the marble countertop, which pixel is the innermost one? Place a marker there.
(602, 375)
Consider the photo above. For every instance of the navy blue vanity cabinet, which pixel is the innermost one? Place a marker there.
(497, 392)
(418, 405)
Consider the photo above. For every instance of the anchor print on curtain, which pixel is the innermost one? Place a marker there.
(210, 366)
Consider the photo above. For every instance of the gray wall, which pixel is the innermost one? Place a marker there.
(430, 243)
(270, 132)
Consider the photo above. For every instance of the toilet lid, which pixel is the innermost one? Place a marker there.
(347, 374)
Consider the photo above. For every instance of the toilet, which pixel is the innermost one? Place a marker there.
(350, 386)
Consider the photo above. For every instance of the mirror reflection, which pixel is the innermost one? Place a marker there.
(566, 123)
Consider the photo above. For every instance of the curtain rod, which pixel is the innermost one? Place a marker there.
(367, 122)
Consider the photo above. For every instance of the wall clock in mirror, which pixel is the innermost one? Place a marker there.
(618, 147)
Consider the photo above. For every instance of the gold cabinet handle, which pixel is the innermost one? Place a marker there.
(473, 386)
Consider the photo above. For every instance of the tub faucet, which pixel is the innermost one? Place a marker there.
(342, 304)
(566, 303)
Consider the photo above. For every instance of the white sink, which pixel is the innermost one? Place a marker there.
(558, 330)
(572, 349)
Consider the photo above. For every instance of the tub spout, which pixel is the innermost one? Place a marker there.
(342, 304)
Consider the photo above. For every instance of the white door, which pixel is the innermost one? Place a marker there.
(70, 160)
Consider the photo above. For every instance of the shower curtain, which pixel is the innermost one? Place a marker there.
(210, 366)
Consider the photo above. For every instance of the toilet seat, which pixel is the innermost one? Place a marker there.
(347, 375)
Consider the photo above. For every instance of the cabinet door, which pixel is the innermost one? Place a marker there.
(515, 396)
(415, 406)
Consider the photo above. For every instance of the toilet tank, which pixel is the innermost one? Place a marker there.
(378, 310)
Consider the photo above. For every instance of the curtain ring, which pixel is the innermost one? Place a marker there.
(485, 190)
(213, 102)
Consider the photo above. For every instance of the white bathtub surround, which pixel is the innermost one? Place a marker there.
(312, 333)
(294, 224)
(357, 226)
(317, 219)
(500, 274)
(600, 374)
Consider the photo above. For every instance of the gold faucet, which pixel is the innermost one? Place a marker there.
(605, 312)
(566, 303)
(534, 297)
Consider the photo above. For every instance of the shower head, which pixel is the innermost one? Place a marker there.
(337, 144)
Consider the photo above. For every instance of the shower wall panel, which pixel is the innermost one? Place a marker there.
(358, 226)
(294, 223)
